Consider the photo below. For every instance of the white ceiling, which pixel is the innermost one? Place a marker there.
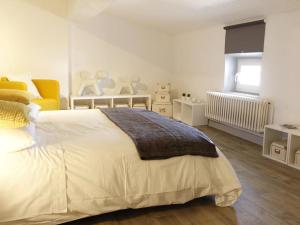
(85, 9)
(57, 7)
(171, 16)
(174, 16)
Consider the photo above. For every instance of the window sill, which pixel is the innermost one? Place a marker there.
(242, 94)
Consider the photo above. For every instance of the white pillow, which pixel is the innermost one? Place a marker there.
(12, 140)
(34, 111)
(26, 78)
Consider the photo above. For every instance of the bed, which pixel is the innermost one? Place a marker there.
(84, 165)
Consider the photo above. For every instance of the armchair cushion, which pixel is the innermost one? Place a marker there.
(46, 103)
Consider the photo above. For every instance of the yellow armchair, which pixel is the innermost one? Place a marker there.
(48, 89)
(50, 93)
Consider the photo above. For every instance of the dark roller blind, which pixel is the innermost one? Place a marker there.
(246, 37)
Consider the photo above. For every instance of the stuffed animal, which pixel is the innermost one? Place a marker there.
(88, 81)
(121, 87)
(138, 86)
(105, 83)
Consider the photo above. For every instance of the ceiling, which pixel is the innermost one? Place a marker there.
(171, 16)
(176, 16)
(57, 7)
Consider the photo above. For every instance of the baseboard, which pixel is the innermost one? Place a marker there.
(241, 133)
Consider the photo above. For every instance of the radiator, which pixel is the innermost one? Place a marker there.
(243, 111)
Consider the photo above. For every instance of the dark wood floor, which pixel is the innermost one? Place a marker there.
(271, 195)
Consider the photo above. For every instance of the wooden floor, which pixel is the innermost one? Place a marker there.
(271, 195)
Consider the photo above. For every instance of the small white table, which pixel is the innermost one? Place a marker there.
(110, 100)
(276, 132)
(189, 112)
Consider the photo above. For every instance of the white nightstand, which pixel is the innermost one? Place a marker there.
(274, 133)
(189, 113)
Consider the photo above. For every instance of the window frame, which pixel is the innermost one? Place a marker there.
(242, 88)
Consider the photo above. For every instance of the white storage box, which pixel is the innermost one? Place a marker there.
(163, 98)
(297, 158)
(163, 88)
(163, 109)
(279, 150)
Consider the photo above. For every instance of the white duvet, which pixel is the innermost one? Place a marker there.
(85, 165)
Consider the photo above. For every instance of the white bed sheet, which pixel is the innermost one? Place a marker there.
(85, 165)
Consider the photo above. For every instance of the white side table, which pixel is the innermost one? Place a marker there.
(189, 113)
(277, 133)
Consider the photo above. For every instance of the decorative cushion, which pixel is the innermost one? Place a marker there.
(4, 84)
(4, 79)
(12, 140)
(27, 79)
(13, 114)
(34, 111)
(15, 96)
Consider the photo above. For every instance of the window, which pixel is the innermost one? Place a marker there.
(243, 73)
(248, 76)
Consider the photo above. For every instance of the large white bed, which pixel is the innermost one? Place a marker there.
(84, 165)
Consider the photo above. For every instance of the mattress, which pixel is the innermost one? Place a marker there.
(84, 165)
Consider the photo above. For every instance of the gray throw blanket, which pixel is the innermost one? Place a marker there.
(157, 137)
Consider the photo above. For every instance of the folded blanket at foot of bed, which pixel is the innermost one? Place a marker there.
(158, 137)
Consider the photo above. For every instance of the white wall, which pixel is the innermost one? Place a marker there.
(146, 43)
(36, 41)
(199, 64)
(33, 41)
(199, 61)
(124, 50)
(281, 66)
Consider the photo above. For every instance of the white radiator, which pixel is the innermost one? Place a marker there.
(243, 111)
